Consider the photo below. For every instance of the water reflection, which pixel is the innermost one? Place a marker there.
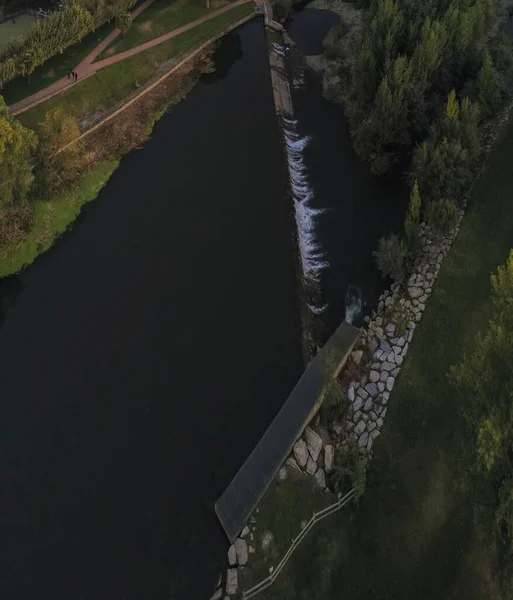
(10, 289)
(224, 58)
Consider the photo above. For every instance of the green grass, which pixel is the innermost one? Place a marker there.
(54, 68)
(52, 217)
(159, 18)
(413, 535)
(110, 85)
(8, 30)
(283, 507)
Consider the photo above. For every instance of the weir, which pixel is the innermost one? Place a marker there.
(235, 505)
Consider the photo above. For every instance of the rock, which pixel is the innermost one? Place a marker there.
(371, 389)
(379, 332)
(217, 595)
(379, 422)
(372, 426)
(301, 453)
(374, 434)
(381, 385)
(387, 366)
(405, 349)
(390, 383)
(349, 426)
(360, 427)
(384, 413)
(378, 354)
(291, 461)
(385, 347)
(415, 292)
(267, 538)
(329, 454)
(311, 466)
(357, 416)
(362, 393)
(231, 582)
(373, 376)
(368, 405)
(363, 439)
(357, 356)
(320, 478)
(251, 549)
(399, 360)
(350, 394)
(244, 533)
(418, 316)
(422, 306)
(400, 342)
(337, 427)
(373, 416)
(386, 396)
(357, 404)
(282, 474)
(314, 442)
(379, 320)
(370, 441)
(390, 329)
(391, 357)
(241, 550)
(232, 556)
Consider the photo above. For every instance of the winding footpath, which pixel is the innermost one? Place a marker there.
(87, 67)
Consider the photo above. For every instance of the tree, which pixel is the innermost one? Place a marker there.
(123, 21)
(484, 380)
(488, 86)
(57, 169)
(412, 220)
(17, 145)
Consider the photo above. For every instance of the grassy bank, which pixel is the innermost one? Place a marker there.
(53, 216)
(110, 85)
(159, 18)
(413, 535)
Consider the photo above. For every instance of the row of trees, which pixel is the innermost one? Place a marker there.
(409, 57)
(29, 166)
(61, 29)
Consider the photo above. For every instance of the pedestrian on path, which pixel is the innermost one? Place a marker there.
(69, 74)
(76, 76)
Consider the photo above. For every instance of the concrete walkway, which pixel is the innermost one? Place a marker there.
(88, 67)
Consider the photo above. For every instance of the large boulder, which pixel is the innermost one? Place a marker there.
(314, 443)
(241, 550)
(301, 453)
(329, 454)
(231, 582)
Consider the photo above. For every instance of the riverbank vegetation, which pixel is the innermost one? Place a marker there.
(44, 188)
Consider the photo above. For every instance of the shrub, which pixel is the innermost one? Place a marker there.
(350, 469)
(441, 216)
(282, 9)
(412, 220)
(391, 257)
(332, 41)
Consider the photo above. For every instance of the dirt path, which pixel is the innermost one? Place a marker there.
(87, 67)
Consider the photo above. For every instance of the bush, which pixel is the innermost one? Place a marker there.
(350, 469)
(441, 216)
(282, 9)
(391, 257)
(123, 21)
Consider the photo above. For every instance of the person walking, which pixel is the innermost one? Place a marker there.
(69, 74)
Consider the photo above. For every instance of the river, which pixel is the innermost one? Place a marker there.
(146, 352)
